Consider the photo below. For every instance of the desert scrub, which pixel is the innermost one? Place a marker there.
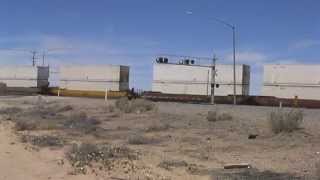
(170, 164)
(134, 106)
(216, 116)
(122, 104)
(157, 127)
(10, 110)
(285, 121)
(317, 170)
(22, 125)
(138, 139)
(84, 155)
(82, 123)
(141, 105)
(43, 141)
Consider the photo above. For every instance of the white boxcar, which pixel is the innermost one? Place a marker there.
(290, 81)
(25, 76)
(94, 77)
(196, 80)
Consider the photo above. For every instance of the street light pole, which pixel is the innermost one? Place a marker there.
(234, 66)
(233, 27)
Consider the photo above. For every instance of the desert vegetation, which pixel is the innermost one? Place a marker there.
(142, 139)
(285, 121)
(218, 116)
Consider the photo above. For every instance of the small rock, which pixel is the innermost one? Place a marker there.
(252, 136)
(60, 162)
(76, 164)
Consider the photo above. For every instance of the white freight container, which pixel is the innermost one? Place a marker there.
(290, 81)
(24, 76)
(196, 80)
(94, 77)
(292, 74)
(290, 92)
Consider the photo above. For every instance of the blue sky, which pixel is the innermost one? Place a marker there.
(134, 32)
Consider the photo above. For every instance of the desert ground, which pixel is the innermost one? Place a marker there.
(44, 137)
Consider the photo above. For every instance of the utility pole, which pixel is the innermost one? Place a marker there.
(34, 58)
(213, 79)
(43, 57)
(234, 66)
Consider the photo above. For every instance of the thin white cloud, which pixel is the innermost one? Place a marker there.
(248, 57)
(287, 61)
(303, 44)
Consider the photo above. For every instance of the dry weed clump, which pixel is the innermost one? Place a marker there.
(138, 139)
(84, 155)
(10, 111)
(110, 109)
(134, 106)
(215, 116)
(65, 108)
(158, 127)
(317, 170)
(285, 121)
(122, 104)
(22, 125)
(43, 141)
(141, 105)
(170, 164)
(81, 122)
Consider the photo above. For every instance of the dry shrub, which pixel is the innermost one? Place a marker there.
(215, 116)
(81, 122)
(317, 172)
(81, 155)
(138, 139)
(285, 121)
(79, 116)
(43, 141)
(122, 104)
(85, 154)
(65, 108)
(33, 121)
(25, 125)
(134, 106)
(110, 109)
(141, 105)
(170, 164)
(10, 110)
(212, 116)
(225, 117)
(157, 127)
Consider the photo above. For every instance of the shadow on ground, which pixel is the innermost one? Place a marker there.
(251, 174)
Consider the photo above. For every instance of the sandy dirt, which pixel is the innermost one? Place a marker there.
(183, 143)
(18, 161)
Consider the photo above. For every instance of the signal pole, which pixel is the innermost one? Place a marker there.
(213, 79)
